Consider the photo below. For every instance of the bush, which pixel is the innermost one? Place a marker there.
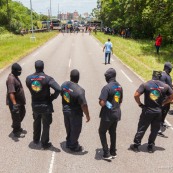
(2, 29)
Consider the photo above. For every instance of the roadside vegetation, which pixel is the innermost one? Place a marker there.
(13, 47)
(139, 55)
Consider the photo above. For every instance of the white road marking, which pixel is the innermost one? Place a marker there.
(22, 64)
(126, 76)
(35, 54)
(52, 162)
(69, 64)
(112, 59)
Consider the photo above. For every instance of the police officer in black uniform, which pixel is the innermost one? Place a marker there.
(39, 85)
(110, 100)
(74, 105)
(154, 93)
(16, 99)
(165, 78)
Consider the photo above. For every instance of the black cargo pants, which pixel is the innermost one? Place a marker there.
(46, 120)
(17, 117)
(73, 125)
(111, 127)
(148, 118)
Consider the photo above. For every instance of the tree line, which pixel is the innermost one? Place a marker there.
(145, 18)
(14, 16)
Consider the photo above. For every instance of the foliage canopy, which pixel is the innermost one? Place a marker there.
(145, 18)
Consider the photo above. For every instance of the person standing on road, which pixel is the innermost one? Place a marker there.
(108, 49)
(110, 100)
(158, 43)
(39, 85)
(74, 105)
(165, 78)
(16, 99)
(154, 94)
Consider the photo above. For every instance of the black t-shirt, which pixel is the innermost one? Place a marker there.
(112, 94)
(39, 85)
(14, 85)
(73, 97)
(166, 78)
(154, 92)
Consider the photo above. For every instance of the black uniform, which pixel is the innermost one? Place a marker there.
(73, 97)
(154, 93)
(39, 85)
(110, 114)
(165, 78)
(14, 86)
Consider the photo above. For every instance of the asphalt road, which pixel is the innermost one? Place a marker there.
(61, 55)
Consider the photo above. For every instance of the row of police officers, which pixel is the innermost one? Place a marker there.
(157, 96)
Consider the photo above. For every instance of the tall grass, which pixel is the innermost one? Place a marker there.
(13, 47)
(139, 55)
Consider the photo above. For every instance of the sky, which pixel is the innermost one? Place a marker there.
(42, 6)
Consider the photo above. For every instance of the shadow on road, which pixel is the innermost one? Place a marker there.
(143, 148)
(14, 138)
(99, 154)
(67, 150)
(38, 146)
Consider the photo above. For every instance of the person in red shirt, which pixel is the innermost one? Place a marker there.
(158, 43)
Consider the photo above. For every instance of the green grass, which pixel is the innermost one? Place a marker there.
(14, 47)
(139, 55)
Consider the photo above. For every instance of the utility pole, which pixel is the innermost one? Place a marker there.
(50, 9)
(32, 38)
(58, 12)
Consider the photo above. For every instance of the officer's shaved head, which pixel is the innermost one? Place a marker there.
(39, 66)
(74, 76)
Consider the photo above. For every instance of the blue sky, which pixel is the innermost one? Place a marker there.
(42, 6)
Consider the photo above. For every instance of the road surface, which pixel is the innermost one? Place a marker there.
(61, 55)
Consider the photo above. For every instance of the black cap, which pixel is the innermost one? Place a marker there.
(167, 65)
(156, 75)
(16, 69)
(110, 73)
(74, 76)
(39, 66)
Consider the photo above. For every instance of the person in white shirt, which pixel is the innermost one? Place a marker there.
(108, 50)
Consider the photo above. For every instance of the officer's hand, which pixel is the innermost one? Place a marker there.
(51, 98)
(142, 106)
(88, 119)
(15, 108)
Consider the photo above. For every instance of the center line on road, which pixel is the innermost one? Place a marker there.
(126, 76)
(52, 162)
(69, 64)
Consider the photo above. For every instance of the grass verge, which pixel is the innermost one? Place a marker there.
(13, 47)
(139, 55)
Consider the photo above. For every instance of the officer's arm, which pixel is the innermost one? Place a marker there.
(137, 98)
(167, 100)
(54, 85)
(12, 98)
(103, 48)
(86, 111)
